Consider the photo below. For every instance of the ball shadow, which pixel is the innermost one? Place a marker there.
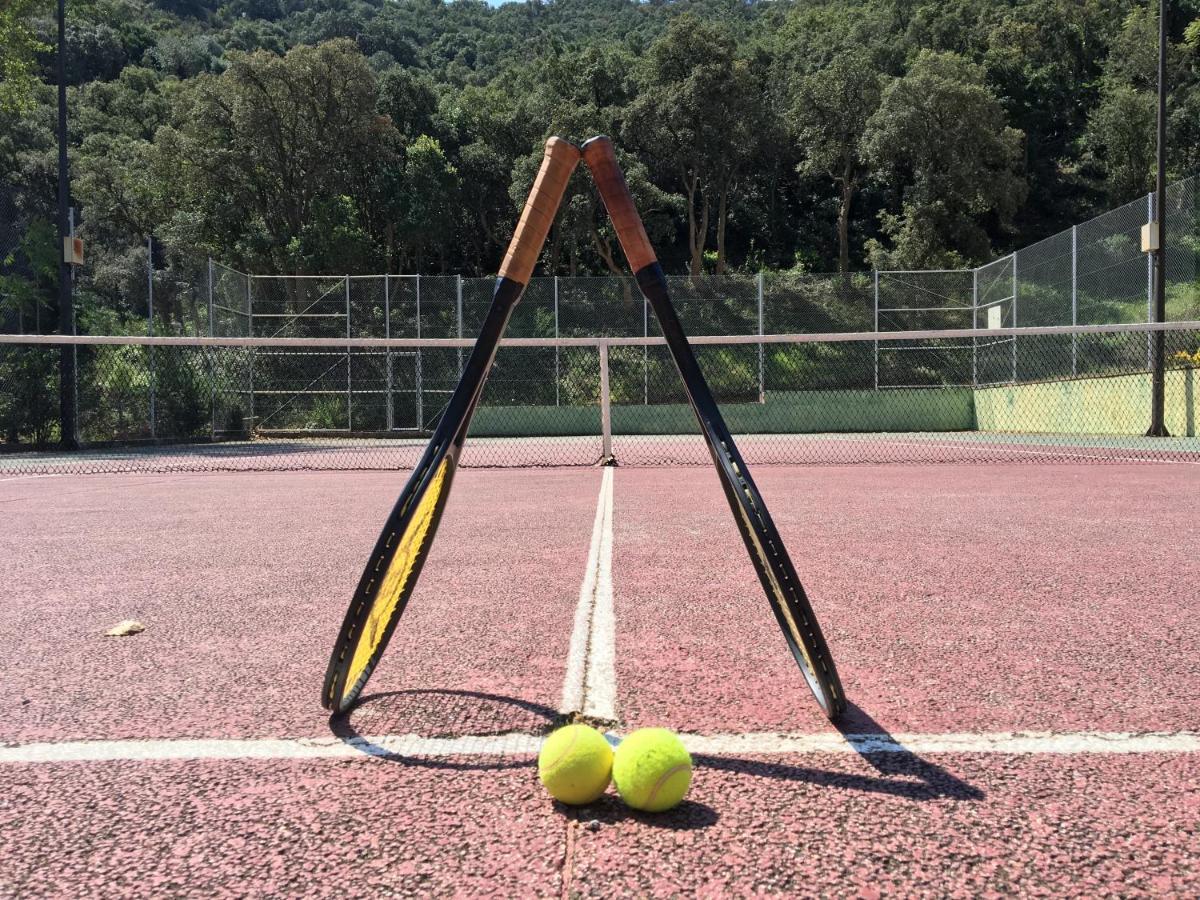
(689, 815)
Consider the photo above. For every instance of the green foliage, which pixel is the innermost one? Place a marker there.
(287, 136)
(28, 403)
(258, 155)
(830, 109)
(19, 45)
(691, 82)
(942, 133)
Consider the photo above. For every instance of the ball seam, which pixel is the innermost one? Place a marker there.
(662, 780)
(565, 751)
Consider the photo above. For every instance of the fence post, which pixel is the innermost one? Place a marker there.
(1074, 298)
(605, 407)
(459, 314)
(253, 352)
(419, 374)
(974, 325)
(875, 274)
(68, 361)
(556, 375)
(150, 332)
(212, 373)
(762, 388)
(210, 298)
(645, 352)
(349, 377)
(389, 413)
(1014, 318)
(1149, 287)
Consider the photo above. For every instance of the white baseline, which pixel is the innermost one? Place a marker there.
(1016, 743)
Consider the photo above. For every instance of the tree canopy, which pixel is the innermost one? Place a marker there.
(363, 135)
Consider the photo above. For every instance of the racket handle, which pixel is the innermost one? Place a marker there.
(601, 158)
(537, 217)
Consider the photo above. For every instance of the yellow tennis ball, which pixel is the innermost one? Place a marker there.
(652, 769)
(575, 764)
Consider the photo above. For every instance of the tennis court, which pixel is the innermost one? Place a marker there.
(1018, 643)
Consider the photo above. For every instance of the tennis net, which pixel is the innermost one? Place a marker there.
(1066, 394)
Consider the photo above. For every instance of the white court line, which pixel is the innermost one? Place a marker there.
(7, 479)
(572, 695)
(600, 693)
(1016, 743)
(590, 685)
(1050, 448)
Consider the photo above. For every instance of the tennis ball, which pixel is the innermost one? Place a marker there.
(575, 764)
(652, 769)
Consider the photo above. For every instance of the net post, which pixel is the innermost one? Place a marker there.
(349, 378)
(556, 372)
(1014, 317)
(419, 374)
(875, 274)
(389, 414)
(605, 406)
(1074, 299)
(150, 332)
(762, 388)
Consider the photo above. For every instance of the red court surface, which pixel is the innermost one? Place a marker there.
(1019, 645)
(242, 581)
(1057, 598)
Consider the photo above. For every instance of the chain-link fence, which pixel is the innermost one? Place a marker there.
(1093, 273)
(27, 299)
(1078, 394)
(1096, 273)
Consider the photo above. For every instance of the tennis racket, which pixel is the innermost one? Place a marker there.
(395, 564)
(771, 561)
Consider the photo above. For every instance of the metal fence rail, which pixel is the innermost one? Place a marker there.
(164, 403)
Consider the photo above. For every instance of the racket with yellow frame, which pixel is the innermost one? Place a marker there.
(395, 564)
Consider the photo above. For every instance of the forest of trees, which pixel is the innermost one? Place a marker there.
(359, 136)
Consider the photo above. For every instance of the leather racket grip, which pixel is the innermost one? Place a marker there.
(600, 157)
(540, 208)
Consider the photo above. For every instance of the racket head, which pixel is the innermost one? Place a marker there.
(387, 582)
(775, 570)
(780, 582)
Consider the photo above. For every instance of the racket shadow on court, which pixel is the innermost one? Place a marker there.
(901, 773)
(438, 728)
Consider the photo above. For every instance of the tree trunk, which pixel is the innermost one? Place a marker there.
(695, 235)
(556, 237)
(698, 246)
(605, 250)
(844, 218)
(843, 227)
(722, 212)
